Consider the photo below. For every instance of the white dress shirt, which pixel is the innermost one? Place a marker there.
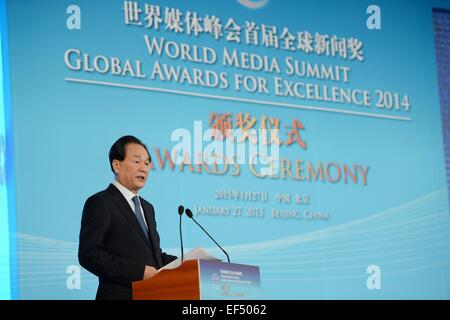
(129, 195)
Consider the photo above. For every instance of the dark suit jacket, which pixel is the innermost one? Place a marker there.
(114, 247)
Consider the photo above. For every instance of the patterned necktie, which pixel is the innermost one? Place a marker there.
(139, 216)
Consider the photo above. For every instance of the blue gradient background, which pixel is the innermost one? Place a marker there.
(63, 131)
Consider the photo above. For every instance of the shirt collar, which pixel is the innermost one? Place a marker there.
(129, 195)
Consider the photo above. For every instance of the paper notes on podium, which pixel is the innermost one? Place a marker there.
(197, 253)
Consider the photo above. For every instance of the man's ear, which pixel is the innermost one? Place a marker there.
(116, 166)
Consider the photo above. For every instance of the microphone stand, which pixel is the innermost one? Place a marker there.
(190, 215)
(180, 212)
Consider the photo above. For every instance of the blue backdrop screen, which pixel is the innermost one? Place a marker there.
(306, 136)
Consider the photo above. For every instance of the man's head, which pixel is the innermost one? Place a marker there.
(130, 162)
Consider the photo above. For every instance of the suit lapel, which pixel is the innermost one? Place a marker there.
(126, 210)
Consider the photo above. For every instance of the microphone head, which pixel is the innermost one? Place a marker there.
(189, 213)
(180, 210)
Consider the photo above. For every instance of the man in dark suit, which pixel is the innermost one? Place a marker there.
(119, 242)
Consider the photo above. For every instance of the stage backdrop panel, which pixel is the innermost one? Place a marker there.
(305, 136)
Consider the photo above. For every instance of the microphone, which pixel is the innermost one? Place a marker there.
(180, 212)
(190, 215)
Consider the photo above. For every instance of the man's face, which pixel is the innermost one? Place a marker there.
(132, 172)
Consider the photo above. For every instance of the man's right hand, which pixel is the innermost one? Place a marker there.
(149, 272)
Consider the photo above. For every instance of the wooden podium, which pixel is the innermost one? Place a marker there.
(201, 280)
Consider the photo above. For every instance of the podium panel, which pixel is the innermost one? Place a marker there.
(223, 281)
(201, 280)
